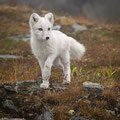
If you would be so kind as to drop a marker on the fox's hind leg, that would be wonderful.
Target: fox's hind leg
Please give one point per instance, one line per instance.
(66, 69)
(57, 63)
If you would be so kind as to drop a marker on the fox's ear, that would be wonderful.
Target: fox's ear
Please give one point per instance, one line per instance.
(50, 17)
(34, 18)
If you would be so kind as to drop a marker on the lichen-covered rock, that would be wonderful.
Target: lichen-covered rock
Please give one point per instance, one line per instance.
(12, 119)
(23, 99)
(10, 56)
(10, 88)
(90, 85)
(8, 104)
(78, 28)
(25, 37)
(10, 108)
(47, 115)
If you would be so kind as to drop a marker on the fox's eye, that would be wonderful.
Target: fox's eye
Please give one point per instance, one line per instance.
(48, 29)
(40, 29)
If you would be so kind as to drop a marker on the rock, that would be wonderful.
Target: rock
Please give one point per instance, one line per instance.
(98, 28)
(10, 108)
(9, 88)
(78, 117)
(8, 104)
(90, 85)
(46, 116)
(10, 56)
(25, 37)
(27, 82)
(57, 27)
(16, 89)
(20, 103)
(12, 119)
(31, 87)
(78, 28)
(35, 86)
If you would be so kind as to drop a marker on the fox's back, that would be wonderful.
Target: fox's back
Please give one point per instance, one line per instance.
(61, 40)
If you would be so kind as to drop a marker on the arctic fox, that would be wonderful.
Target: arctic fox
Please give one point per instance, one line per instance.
(52, 47)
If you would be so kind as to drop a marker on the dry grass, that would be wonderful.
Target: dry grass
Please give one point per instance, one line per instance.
(101, 64)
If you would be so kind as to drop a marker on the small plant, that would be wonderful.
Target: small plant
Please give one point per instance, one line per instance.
(110, 72)
(74, 71)
(97, 75)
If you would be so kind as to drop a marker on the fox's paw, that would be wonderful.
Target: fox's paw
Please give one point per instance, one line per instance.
(66, 81)
(44, 85)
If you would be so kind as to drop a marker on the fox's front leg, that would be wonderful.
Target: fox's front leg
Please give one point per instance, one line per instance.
(41, 63)
(66, 70)
(47, 71)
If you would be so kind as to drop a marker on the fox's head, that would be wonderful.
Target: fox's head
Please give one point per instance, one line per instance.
(41, 26)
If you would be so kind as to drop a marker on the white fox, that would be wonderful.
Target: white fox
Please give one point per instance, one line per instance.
(52, 47)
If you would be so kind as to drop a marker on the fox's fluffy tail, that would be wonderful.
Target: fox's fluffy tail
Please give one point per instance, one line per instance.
(77, 50)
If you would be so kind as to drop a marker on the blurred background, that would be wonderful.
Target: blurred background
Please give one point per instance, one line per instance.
(94, 9)
(94, 23)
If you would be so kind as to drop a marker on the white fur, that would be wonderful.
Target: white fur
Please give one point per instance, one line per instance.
(57, 50)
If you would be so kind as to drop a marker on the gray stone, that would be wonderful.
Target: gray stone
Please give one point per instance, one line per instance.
(78, 28)
(27, 82)
(9, 88)
(16, 89)
(46, 116)
(90, 85)
(25, 37)
(78, 117)
(12, 119)
(57, 27)
(8, 104)
(98, 28)
(10, 56)
(35, 86)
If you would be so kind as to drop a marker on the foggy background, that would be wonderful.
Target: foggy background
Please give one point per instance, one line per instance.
(94, 9)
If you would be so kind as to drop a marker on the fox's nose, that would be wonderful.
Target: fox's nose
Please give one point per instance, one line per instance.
(47, 38)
